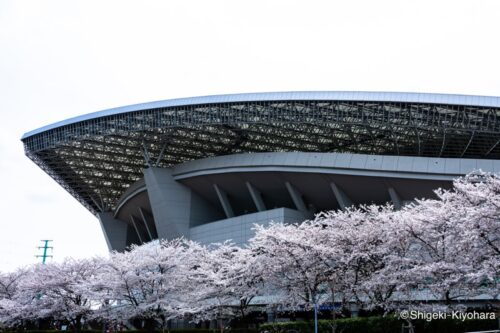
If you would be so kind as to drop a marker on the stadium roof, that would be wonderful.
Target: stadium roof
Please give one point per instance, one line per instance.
(451, 99)
(97, 156)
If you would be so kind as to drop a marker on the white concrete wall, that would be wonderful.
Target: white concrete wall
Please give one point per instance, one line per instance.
(239, 229)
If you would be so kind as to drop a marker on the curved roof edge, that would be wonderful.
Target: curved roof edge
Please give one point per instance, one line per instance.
(432, 98)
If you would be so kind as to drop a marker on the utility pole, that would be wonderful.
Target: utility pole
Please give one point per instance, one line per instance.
(45, 248)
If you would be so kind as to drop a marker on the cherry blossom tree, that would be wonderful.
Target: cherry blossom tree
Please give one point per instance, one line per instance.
(364, 253)
(57, 291)
(291, 264)
(477, 201)
(145, 283)
(10, 314)
(447, 246)
(226, 282)
(439, 262)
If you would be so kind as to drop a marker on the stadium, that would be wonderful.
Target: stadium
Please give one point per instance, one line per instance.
(209, 168)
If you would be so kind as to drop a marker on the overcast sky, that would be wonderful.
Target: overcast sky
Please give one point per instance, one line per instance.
(60, 59)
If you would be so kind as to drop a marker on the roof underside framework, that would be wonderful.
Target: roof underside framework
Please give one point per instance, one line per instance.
(97, 159)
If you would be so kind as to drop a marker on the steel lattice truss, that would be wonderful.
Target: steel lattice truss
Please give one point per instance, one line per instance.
(96, 160)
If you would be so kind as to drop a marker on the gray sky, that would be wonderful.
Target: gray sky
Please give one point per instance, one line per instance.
(60, 59)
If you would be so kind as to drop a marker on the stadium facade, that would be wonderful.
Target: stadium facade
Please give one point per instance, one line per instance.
(208, 168)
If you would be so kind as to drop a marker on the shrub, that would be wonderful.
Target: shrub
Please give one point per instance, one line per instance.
(388, 324)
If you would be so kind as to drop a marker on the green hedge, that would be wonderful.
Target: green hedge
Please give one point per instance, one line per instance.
(193, 330)
(454, 326)
(388, 324)
(350, 325)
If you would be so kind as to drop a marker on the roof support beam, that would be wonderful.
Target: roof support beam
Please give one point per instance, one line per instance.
(492, 147)
(468, 143)
(297, 198)
(256, 197)
(419, 143)
(145, 221)
(342, 199)
(443, 144)
(160, 156)
(145, 152)
(132, 219)
(224, 201)
(395, 198)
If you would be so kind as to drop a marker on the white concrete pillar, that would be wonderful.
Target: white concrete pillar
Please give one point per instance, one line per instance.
(297, 198)
(115, 231)
(395, 198)
(224, 201)
(342, 199)
(256, 197)
(170, 202)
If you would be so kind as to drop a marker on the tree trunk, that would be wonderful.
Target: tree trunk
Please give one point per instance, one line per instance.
(221, 325)
(334, 319)
(334, 313)
(243, 315)
(78, 323)
(149, 325)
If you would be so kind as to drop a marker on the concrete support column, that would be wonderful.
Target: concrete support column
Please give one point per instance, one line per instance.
(115, 231)
(297, 199)
(342, 199)
(256, 197)
(224, 201)
(395, 198)
(170, 202)
(132, 220)
(146, 222)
